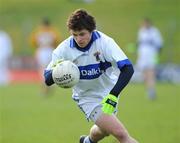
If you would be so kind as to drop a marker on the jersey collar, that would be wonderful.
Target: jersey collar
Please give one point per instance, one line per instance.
(95, 36)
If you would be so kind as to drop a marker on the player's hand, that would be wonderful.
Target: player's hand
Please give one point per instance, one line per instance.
(56, 63)
(109, 104)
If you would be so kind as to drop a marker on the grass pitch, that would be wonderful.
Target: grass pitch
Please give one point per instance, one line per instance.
(27, 117)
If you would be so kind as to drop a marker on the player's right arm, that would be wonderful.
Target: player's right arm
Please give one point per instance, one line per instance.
(48, 77)
(48, 72)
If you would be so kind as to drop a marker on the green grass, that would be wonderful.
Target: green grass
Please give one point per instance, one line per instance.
(118, 18)
(27, 117)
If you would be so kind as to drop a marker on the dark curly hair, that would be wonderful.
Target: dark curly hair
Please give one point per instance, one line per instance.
(80, 20)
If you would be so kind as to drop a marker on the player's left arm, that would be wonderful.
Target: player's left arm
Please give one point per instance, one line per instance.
(114, 54)
(126, 71)
(125, 75)
(110, 101)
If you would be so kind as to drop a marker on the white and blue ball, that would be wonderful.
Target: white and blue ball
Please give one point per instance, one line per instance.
(66, 74)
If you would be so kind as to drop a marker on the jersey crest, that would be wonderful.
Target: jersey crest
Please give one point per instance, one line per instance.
(96, 54)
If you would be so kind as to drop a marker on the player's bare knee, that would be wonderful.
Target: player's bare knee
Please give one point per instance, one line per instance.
(94, 132)
(97, 132)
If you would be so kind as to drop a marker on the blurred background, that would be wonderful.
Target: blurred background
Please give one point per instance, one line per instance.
(28, 117)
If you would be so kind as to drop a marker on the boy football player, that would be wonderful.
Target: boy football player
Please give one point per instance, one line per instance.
(97, 57)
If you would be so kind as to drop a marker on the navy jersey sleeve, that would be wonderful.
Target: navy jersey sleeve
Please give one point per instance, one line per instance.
(124, 78)
(48, 77)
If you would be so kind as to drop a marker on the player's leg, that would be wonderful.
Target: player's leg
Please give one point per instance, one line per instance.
(96, 134)
(105, 125)
(150, 81)
(111, 125)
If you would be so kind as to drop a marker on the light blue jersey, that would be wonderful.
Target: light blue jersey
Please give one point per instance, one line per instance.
(98, 64)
